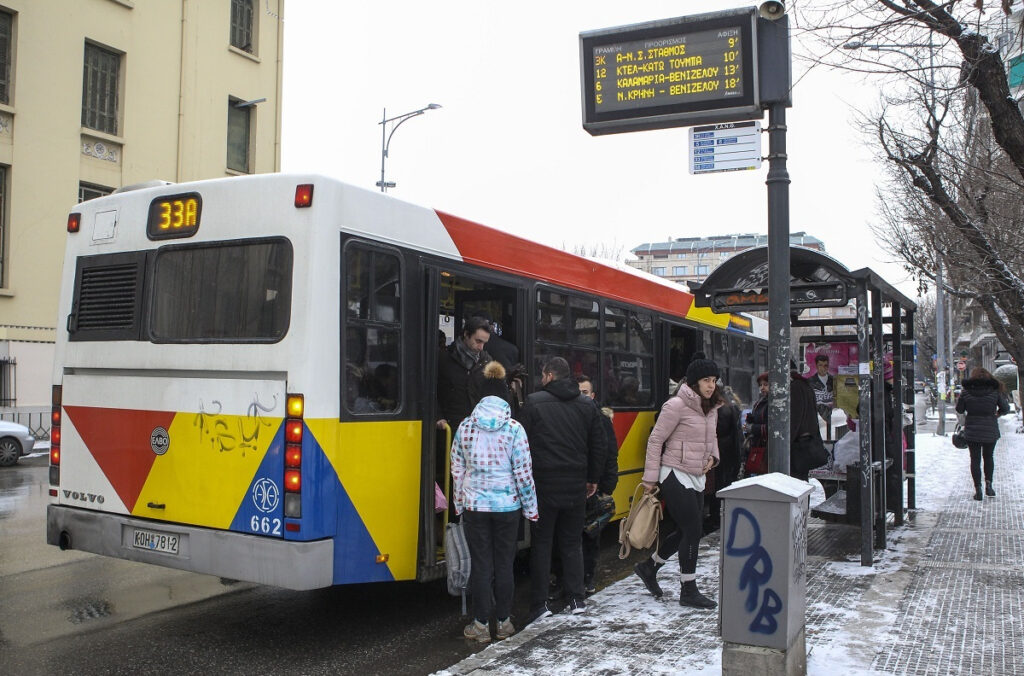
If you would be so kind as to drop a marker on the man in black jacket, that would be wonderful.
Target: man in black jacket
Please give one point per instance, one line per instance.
(460, 373)
(567, 443)
(605, 486)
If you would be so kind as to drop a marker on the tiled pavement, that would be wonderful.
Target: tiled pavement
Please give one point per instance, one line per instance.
(946, 597)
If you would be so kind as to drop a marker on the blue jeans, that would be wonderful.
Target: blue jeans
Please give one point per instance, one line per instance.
(491, 537)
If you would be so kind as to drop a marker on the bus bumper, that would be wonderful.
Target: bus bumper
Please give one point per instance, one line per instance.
(238, 556)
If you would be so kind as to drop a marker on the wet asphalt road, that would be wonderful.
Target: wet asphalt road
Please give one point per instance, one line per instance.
(75, 613)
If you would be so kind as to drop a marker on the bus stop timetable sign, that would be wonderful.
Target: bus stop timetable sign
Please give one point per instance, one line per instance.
(732, 146)
(698, 69)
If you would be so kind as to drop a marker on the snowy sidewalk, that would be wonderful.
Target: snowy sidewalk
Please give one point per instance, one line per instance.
(946, 597)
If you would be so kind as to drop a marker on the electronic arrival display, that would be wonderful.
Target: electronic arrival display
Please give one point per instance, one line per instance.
(677, 72)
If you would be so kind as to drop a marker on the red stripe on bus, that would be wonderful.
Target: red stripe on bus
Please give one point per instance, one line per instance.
(120, 442)
(498, 250)
(623, 422)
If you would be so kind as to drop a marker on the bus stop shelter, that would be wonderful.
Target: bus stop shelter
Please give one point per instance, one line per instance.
(882, 321)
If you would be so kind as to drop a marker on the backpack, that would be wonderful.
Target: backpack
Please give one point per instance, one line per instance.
(640, 528)
(456, 555)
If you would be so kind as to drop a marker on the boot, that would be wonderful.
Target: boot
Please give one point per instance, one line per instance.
(690, 596)
(648, 572)
(989, 491)
(977, 491)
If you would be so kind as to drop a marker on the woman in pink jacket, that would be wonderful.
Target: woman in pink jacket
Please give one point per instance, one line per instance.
(682, 448)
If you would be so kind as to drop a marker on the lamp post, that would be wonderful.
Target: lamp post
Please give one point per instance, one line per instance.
(385, 137)
(940, 308)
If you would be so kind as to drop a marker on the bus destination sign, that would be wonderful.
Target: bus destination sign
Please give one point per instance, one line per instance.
(678, 72)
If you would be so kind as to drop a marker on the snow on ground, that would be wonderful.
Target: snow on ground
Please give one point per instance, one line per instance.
(626, 631)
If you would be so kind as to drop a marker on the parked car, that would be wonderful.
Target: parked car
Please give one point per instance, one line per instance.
(15, 441)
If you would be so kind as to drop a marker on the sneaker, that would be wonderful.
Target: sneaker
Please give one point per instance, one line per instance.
(588, 586)
(477, 631)
(538, 613)
(505, 629)
(576, 606)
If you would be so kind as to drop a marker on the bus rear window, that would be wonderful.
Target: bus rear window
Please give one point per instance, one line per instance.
(237, 291)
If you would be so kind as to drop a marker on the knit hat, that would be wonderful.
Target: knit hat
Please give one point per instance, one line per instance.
(494, 381)
(700, 367)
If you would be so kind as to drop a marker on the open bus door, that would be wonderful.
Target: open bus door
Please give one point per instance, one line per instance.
(450, 297)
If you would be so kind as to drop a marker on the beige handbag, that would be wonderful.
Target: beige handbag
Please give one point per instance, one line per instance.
(640, 528)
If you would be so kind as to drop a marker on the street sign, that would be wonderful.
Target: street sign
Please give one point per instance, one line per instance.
(732, 146)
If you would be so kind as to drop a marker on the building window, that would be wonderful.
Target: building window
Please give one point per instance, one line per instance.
(724, 255)
(239, 124)
(99, 89)
(658, 271)
(702, 254)
(242, 17)
(679, 270)
(660, 256)
(5, 56)
(4, 227)
(88, 191)
(702, 270)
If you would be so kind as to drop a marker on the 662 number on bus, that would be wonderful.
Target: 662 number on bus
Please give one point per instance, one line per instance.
(265, 525)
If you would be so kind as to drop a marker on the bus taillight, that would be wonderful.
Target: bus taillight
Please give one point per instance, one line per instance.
(74, 222)
(294, 409)
(303, 195)
(55, 416)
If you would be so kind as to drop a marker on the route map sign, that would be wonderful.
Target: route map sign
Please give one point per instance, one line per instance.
(670, 73)
(731, 146)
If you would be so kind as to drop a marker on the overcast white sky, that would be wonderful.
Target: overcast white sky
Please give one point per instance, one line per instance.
(508, 148)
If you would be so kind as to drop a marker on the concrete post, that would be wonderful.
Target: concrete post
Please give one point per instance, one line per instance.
(763, 564)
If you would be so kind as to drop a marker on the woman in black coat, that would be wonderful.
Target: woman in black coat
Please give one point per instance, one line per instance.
(983, 401)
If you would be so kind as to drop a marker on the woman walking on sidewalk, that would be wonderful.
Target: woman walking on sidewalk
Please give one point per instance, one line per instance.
(493, 476)
(983, 401)
(682, 448)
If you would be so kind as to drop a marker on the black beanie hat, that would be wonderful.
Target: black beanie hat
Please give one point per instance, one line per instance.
(700, 367)
(494, 381)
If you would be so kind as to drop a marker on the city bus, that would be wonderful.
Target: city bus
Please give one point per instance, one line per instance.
(245, 372)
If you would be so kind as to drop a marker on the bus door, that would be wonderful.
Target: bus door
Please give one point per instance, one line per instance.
(680, 344)
(453, 295)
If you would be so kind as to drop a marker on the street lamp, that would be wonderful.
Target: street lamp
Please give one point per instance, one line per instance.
(385, 137)
(940, 300)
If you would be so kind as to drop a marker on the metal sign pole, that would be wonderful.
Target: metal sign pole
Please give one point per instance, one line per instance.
(778, 291)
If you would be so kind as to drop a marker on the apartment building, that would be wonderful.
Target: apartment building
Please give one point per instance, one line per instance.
(99, 94)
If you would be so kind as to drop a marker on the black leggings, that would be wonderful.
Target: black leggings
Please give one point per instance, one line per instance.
(978, 451)
(684, 516)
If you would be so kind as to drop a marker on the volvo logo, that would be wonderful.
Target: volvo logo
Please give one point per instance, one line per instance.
(159, 441)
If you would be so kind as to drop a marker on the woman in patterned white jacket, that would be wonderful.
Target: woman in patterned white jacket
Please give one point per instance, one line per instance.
(493, 476)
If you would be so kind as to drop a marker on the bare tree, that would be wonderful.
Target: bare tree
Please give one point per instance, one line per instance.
(952, 138)
(613, 251)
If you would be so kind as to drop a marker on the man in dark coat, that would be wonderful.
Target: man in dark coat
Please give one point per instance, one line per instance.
(567, 443)
(605, 486)
(460, 373)
(729, 431)
(803, 420)
(983, 402)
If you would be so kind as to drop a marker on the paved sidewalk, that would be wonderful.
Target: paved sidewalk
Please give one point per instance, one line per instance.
(946, 596)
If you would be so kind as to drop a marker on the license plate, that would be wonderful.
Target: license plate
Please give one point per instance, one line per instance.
(157, 542)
